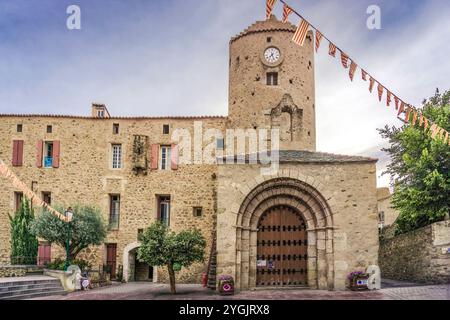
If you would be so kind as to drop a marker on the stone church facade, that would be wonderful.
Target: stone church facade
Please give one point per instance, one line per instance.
(309, 223)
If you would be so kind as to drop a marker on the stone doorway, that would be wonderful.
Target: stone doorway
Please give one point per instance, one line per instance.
(133, 269)
(282, 248)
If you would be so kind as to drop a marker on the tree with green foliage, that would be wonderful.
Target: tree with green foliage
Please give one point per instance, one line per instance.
(24, 244)
(420, 168)
(161, 247)
(86, 228)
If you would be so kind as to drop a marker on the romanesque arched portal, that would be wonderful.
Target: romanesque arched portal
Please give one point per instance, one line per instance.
(301, 199)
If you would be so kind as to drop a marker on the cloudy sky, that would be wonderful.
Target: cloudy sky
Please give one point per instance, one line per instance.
(148, 57)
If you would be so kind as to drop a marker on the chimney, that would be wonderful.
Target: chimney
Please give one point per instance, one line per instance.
(100, 111)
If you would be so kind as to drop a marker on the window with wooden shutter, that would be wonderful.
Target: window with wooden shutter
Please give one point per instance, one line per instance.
(39, 151)
(17, 160)
(55, 153)
(166, 157)
(155, 156)
(174, 157)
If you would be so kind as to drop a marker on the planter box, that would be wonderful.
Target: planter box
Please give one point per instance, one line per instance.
(226, 286)
(360, 283)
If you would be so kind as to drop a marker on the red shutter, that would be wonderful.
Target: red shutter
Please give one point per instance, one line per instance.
(15, 152)
(20, 153)
(174, 157)
(155, 153)
(39, 150)
(56, 152)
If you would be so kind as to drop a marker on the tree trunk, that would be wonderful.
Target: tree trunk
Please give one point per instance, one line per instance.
(173, 290)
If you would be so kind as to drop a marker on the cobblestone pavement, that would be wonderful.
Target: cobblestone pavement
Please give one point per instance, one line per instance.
(149, 291)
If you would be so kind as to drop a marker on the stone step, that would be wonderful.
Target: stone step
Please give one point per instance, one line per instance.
(25, 292)
(36, 295)
(27, 282)
(28, 286)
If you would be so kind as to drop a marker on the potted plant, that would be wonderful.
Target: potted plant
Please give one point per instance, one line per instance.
(358, 281)
(226, 285)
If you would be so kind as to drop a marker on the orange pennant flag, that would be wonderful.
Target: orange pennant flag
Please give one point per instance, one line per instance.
(300, 35)
(319, 37)
(286, 12)
(332, 50)
(372, 83)
(353, 67)
(344, 60)
(388, 98)
(269, 7)
(396, 102)
(380, 91)
(364, 75)
(402, 108)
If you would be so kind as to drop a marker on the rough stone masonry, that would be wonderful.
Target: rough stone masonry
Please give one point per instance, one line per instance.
(122, 165)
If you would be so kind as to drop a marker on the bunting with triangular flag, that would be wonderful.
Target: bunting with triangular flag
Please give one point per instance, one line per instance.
(380, 91)
(402, 108)
(269, 7)
(353, 67)
(286, 12)
(332, 50)
(396, 102)
(364, 75)
(319, 37)
(344, 60)
(372, 83)
(300, 35)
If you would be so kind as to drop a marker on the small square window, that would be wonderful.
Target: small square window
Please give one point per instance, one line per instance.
(49, 129)
(198, 212)
(19, 128)
(47, 197)
(269, 39)
(166, 129)
(116, 128)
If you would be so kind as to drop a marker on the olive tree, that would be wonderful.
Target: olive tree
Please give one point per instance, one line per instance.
(86, 228)
(161, 247)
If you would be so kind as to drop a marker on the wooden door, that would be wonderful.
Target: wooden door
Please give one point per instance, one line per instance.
(282, 249)
(44, 254)
(111, 253)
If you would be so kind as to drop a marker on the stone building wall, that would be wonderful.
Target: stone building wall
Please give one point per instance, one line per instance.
(385, 206)
(253, 104)
(85, 176)
(349, 190)
(420, 256)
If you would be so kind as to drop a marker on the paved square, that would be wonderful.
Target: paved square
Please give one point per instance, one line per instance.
(150, 291)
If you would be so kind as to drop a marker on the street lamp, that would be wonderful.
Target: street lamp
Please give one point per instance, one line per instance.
(69, 216)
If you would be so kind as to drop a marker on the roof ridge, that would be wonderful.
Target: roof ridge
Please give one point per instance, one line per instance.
(43, 115)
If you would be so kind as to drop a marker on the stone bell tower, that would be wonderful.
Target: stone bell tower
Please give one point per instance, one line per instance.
(271, 83)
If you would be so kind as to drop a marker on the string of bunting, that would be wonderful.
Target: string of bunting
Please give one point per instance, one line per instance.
(413, 116)
(7, 173)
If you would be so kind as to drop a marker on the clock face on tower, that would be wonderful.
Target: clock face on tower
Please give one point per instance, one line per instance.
(272, 55)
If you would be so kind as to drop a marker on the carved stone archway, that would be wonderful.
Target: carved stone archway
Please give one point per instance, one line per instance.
(316, 212)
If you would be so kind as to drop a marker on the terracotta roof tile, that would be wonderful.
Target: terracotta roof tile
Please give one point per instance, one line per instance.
(111, 118)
